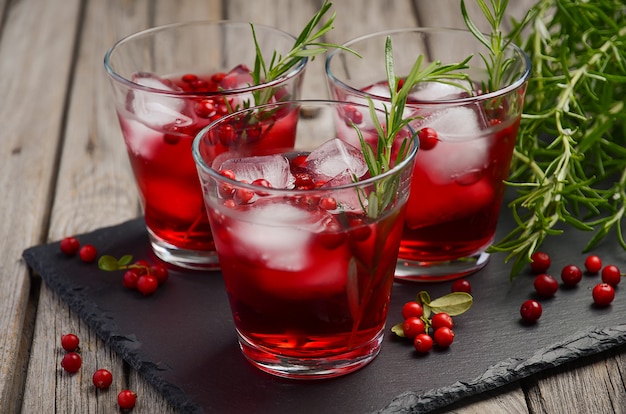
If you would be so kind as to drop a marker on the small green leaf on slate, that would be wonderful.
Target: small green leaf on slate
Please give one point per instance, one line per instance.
(397, 329)
(125, 260)
(453, 304)
(108, 263)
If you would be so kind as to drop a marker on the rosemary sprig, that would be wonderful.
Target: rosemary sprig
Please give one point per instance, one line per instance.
(306, 45)
(379, 160)
(569, 165)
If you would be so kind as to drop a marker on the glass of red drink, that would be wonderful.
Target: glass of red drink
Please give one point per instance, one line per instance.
(168, 83)
(306, 242)
(467, 135)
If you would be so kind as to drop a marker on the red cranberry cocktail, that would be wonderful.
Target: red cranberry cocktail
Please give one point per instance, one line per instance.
(306, 251)
(170, 82)
(467, 135)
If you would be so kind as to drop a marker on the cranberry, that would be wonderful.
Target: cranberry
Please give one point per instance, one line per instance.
(530, 311)
(147, 284)
(461, 285)
(603, 294)
(423, 343)
(611, 275)
(412, 309)
(243, 195)
(545, 285)
(353, 116)
(161, 273)
(444, 337)
(428, 138)
(413, 326)
(69, 246)
(571, 275)
(102, 378)
(130, 278)
(593, 264)
(88, 253)
(189, 77)
(126, 399)
(71, 362)
(328, 203)
(540, 262)
(205, 108)
(441, 320)
(70, 342)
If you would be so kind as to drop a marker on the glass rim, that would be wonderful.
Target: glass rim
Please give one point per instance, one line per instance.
(151, 30)
(200, 162)
(516, 84)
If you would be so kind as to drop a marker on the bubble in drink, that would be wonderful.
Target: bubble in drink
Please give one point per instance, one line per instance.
(157, 110)
(333, 158)
(273, 168)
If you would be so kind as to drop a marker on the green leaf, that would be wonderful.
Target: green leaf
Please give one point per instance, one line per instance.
(108, 263)
(125, 260)
(454, 304)
(397, 329)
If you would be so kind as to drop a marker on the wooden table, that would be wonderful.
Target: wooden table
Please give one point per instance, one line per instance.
(64, 171)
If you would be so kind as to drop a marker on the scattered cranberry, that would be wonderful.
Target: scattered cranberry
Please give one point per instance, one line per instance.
(69, 246)
(603, 294)
(102, 379)
(71, 362)
(530, 311)
(571, 275)
(428, 138)
(593, 264)
(161, 273)
(70, 342)
(444, 337)
(611, 275)
(423, 343)
(413, 326)
(545, 285)
(126, 399)
(412, 309)
(88, 253)
(441, 320)
(461, 285)
(147, 284)
(540, 262)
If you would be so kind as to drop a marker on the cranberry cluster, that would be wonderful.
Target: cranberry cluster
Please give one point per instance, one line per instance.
(547, 286)
(416, 327)
(102, 378)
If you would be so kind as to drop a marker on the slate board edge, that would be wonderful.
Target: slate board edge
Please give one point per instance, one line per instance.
(579, 345)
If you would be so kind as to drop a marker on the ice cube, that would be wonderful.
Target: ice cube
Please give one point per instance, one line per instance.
(347, 199)
(238, 77)
(155, 109)
(439, 91)
(333, 158)
(274, 168)
(463, 145)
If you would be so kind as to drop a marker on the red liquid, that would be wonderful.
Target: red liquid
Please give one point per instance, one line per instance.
(316, 285)
(164, 168)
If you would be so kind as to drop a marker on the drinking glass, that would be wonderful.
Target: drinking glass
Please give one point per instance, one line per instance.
(307, 238)
(467, 136)
(168, 83)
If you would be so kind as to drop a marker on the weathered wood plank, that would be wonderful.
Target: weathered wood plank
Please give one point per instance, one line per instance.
(31, 117)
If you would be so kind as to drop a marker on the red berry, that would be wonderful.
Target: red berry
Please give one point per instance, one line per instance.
(102, 378)
(130, 278)
(571, 275)
(412, 327)
(530, 311)
(593, 264)
(540, 262)
(88, 253)
(441, 320)
(461, 285)
(423, 343)
(126, 399)
(611, 275)
(69, 246)
(412, 309)
(444, 337)
(328, 203)
(603, 294)
(546, 285)
(161, 273)
(70, 342)
(428, 138)
(147, 284)
(71, 362)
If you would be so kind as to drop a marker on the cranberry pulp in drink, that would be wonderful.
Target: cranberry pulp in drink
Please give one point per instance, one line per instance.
(457, 186)
(159, 127)
(308, 273)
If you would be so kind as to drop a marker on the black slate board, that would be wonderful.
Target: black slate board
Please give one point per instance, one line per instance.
(183, 341)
